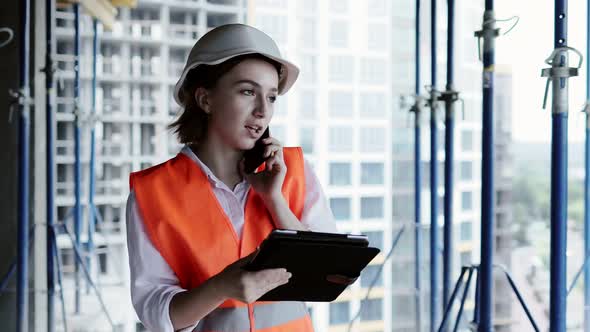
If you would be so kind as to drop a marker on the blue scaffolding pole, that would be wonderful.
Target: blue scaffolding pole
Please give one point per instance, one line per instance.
(92, 177)
(449, 97)
(417, 180)
(77, 143)
(487, 175)
(49, 80)
(434, 241)
(558, 76)
(587, 181)
(24, 125)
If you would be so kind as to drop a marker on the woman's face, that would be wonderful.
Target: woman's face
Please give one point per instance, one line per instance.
(242, 103)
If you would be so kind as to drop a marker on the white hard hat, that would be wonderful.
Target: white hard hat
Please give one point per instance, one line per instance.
(231, 40)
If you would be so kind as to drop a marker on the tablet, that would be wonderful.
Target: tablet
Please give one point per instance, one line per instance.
(311, 257)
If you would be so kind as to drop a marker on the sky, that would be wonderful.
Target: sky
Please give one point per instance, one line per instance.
(525, 49)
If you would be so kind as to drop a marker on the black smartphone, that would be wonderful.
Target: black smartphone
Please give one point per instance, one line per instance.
(254, 157)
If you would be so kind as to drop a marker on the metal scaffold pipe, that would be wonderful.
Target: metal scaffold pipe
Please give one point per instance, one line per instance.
(434, 236)
(489, 33)
(449, 97)
(587, 180)
(558, 76)
(49, 81)
(77, 161)
(92, 176)
(22, 99)
(417, 179)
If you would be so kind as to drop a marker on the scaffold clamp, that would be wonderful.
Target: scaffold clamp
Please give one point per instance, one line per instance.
(557, 70)
(19, 97)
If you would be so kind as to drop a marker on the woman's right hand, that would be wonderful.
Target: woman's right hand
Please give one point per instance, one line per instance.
(248, 286)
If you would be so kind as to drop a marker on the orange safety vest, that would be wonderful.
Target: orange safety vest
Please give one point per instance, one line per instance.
(190, 229)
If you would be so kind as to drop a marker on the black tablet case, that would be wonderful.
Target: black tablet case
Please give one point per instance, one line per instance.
(311, 257)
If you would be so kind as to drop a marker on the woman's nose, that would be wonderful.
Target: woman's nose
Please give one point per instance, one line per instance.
(263, 108)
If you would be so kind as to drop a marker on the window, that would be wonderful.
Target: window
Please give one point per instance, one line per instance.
(341, 69)
(272, 3)
(465, 258)
(473, 106)
(403, 207)
(274, 25)
(279, 132)
(370, 273)
(341, 104)
(108, 98)
(103, 261)
(372, 140)
(308, 68)
(466, 170)
(403, 141)
(306, 139)
(403, 273)
(371, 207)
(307, 6)
(372, 173)
(144, 61)
(377, 37)
(145, 97)
(371, 309)
(339, 313)
(467, 200)
(372, 105)
(467, 140)
(375, 239)
(340, 207)
(341, 139)
(147, 139)
(403, 307)
(377, 8)
(176, 62)
(109, 59)
(339, 6)
(340, 174)
(403, 173)
(405, 245)
(308, 35)
(373, 71)
(307, 99)
(466, 231)
(280, 107)
(339, 33)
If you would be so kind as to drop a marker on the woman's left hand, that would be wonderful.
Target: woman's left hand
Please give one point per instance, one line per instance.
(268, 183)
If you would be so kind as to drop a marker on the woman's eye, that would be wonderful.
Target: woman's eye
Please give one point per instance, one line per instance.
(272, 99)
(248, 92)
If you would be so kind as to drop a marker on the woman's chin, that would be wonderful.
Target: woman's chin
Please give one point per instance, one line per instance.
(247, 144)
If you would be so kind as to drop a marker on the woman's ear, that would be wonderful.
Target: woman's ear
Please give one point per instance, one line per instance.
(202, 99)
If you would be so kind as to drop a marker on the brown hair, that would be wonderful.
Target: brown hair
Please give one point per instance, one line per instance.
(191, 125)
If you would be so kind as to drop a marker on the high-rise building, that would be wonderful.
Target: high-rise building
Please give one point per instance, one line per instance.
(340, 112)
(504, 165)
(138, 64)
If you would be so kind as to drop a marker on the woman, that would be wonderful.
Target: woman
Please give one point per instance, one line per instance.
(193, 221)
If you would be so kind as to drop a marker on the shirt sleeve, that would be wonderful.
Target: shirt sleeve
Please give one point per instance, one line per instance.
(317, 215)
(153, 282)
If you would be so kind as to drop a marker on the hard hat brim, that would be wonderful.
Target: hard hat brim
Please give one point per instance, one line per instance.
(289, 72)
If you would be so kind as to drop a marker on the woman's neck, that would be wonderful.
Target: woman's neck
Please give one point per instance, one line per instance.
(221, 160)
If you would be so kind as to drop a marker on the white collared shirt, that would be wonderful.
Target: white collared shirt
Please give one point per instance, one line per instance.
(154, 283)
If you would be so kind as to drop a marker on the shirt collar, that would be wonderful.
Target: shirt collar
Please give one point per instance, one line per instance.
(212, 178)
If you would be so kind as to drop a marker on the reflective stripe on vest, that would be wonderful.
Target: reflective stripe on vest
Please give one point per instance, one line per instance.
(266, 315)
